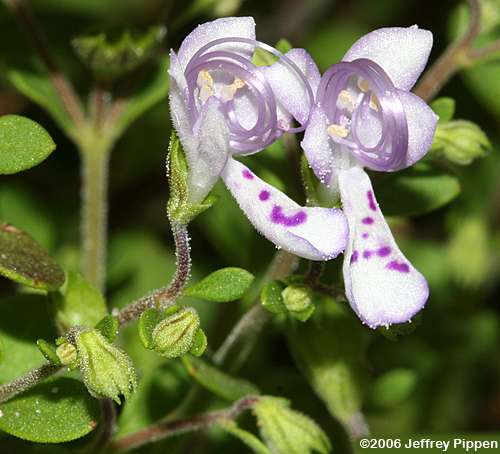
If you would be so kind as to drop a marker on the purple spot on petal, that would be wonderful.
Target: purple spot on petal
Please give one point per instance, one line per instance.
(371, 201)
(365, 235)
(368, 220)
(264, 195)
(367, 254)
(384, 251)
(354, 256)
(398, 266)
(278, 217)
(247, 174)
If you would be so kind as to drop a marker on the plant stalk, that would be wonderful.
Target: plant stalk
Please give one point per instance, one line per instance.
(165, 296)
(27, 381)
(172, 428)
(94, 218)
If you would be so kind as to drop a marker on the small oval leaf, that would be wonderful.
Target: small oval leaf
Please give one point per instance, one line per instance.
(55, 411)
(23, 144)
(222, 286)
(216, 381)
(418, 190)
(78, 303)
(24, 261)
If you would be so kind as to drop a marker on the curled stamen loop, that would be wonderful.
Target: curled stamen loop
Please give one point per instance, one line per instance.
(267, 128)
(391, 149)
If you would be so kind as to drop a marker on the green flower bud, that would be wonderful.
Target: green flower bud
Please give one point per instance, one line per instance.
(175, 335)
(113, 54)
(66, 353)
(107, 371)
(460, 142)
(287, 431)
(297, 298)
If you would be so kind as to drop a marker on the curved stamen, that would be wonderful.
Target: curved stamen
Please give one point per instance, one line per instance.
(266, 128)
(390, 150)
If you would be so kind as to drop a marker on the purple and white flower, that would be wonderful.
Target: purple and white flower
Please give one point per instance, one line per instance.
(223, 105)
(365, 116)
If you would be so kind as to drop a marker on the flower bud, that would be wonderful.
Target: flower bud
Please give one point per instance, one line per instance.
(107, 371)
(175, 335)
(287, 431)
(298, 301)
(460, 141)
(113, 54)
(66, 353)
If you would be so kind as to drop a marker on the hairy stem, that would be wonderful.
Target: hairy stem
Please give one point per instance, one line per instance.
(27, 381)
(165, 296)
(94, 219)
(63, 87)
(458, 55)
(172, 428)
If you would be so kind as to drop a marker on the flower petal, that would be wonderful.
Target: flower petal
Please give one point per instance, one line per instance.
(178, 108)
(381, 284)
(314, 233)
(422, 123)
(401, 52)
(227, 27)
(211, 152)
(317, 145)
(289, 88)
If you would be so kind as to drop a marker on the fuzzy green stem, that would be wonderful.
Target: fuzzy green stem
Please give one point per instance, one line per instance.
(94, 194)
(164, 296)
(172, 428)
(27, 381)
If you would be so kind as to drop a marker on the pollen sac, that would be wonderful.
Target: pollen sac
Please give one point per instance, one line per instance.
(107, 371)
(297, 299)
(172, 333)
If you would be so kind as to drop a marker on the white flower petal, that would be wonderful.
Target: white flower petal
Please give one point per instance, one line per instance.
(401, 52)
(381, 284)
(313, 233)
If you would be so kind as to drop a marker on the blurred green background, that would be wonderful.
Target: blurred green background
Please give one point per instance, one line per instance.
(443, 377)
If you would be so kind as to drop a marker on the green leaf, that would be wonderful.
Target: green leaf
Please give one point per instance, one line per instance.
(224, 285)
(333, 363)
(48, 350)
(55, 411)
(78, 303)
(469, 254)
(147, 323)
(23, 144)
(248, 438)
(444, 108)
(39, 89)
(393, 388)
(418, 190)
(271, 297)
(289, 431)
(216, 381)
(200, 343)
(24, 320)
(152, 90)
(108, 327)
(24, 261)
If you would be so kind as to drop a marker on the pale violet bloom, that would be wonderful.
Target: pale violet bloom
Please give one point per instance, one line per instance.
(222, 106)
(365, 116)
